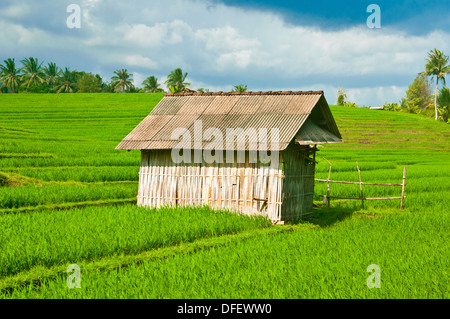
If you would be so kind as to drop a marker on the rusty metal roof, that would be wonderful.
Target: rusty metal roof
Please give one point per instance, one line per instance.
(247, 113)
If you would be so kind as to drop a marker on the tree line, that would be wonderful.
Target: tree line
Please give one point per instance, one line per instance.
(420, 98)
(35, 77)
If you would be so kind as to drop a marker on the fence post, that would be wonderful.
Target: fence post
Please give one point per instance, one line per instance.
(328, 187)
(360, 185)
(403, 187)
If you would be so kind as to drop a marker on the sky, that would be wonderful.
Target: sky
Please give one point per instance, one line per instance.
(266, 45)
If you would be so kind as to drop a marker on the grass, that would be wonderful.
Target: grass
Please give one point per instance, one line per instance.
(39, 274)
(85, 174)
(31, 195)
(57, 153)
(306, 263)
(59, 237)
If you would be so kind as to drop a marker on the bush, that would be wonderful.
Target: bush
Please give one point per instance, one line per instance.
(350, 104)
(390, 106)
(444, 104)
(3, 180)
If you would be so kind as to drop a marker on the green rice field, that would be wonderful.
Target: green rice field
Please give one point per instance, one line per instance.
(68, 197)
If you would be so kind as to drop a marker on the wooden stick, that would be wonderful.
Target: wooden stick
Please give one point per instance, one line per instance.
(374, 198)
(403, 187)
(324, 159)
(328, 187)
(381, 198)
(360, 185)
(363, 183)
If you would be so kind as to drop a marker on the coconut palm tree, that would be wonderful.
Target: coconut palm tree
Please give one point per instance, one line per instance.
(151, 85)
(9, 75)
(122, 81)
(33, 71)
(68, 80)
(239, 88)
(52, 73)
(175, 81)
(437, 66)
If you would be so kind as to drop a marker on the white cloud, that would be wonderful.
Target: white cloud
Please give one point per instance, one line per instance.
(143, 35)
(225, 39)
(19, 37)
(156, 35)
(138, 60)
(369, 95)
(138, 78)
(16, 11)
(240, 59)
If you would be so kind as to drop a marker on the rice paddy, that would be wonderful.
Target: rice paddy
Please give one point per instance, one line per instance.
(57, 152)
(308, 263)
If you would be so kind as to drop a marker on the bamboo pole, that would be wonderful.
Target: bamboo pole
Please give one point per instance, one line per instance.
(363, 183)
(403, 187)
(368, 198)
(328, 188)
(360, 185)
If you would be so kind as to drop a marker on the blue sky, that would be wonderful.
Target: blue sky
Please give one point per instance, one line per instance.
(267, 45)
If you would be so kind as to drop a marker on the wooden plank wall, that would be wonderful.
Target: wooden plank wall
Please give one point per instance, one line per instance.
(251, 188)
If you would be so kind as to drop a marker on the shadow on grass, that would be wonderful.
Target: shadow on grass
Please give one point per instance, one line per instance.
(324, 216)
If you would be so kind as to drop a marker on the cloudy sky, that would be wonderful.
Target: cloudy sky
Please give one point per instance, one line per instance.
(267, 45)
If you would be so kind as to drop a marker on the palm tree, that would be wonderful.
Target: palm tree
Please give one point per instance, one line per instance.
(33, 71)
(9, 75)
(437, 66)
(52, 72)
(151, 85)
(202, 90)
(239, 88)
(68, 80)
(122, 81)
(175, 81)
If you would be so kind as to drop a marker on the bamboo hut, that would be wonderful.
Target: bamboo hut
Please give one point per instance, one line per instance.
(282, 189)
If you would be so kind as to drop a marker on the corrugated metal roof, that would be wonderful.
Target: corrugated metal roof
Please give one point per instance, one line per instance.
(310, 133)
(250, 111)
(168, 106)
(301, 104)
(195, 105)
(221, 106)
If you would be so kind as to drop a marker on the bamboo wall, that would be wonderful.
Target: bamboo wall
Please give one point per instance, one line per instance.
(251, 188)
(298, 187)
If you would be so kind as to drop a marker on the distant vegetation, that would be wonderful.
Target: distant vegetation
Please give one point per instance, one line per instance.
(35, 77)
(239, 88)
(419, 97)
